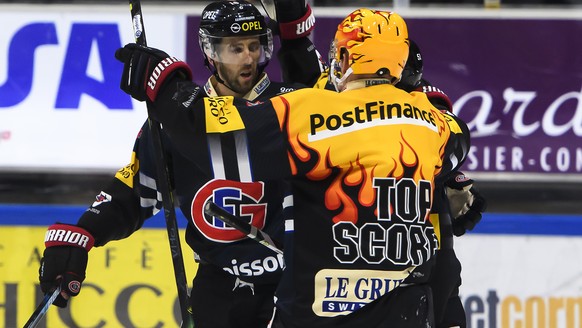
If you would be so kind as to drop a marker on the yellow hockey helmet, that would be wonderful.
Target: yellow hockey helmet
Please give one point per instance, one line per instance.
(376, 42)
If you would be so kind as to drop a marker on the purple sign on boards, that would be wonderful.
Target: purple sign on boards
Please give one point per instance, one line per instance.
(516, 82)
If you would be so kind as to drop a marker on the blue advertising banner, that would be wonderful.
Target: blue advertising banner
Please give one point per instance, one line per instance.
(493, 223)
(61, 108)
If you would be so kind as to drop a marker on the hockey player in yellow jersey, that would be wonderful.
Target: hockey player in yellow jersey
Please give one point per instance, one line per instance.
(362, 164)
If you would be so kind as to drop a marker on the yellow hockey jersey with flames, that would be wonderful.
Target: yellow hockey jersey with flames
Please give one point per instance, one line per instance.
(362, 165)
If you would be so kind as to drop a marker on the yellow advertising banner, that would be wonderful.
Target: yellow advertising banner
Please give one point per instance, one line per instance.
(130, 283)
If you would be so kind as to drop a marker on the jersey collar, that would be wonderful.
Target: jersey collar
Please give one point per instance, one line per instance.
(362, 83)
(256, 91)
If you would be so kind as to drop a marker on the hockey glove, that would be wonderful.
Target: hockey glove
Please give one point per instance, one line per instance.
(469, 220)
(466, 203)
(64, 260)
(145, 69)
(458, 193)
(294, 18)
(438, 98)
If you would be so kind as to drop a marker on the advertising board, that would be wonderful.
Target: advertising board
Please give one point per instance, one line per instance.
(61, 108)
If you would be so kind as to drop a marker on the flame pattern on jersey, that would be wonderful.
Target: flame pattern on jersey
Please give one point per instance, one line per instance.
(354, 175)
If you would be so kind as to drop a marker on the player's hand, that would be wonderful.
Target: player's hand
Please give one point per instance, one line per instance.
(469, 219)
(145, 69)
(64, 261)
(294, 18)
(466, 203)
(438, 98)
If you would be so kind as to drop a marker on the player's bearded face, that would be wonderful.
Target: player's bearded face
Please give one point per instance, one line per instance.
(237, 62)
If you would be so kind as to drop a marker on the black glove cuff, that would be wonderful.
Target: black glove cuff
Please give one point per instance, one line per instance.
(458, 181)
(438, 98)
(68, 235)
(164, 69)
(298, 28)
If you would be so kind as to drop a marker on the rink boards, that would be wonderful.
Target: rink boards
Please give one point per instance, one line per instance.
(130, 283)
(518, 270)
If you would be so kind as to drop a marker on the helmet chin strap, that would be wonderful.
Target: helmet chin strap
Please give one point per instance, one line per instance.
(214, 70)
(221, 81)
(229, 88)
(217, 76)
(341, 82)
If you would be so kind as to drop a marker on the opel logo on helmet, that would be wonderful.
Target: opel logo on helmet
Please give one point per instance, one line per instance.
(235, 28)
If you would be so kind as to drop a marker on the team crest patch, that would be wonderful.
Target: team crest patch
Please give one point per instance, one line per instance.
(103, 197)
(243, 199)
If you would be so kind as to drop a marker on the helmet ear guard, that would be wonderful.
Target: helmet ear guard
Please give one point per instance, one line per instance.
(376, 43)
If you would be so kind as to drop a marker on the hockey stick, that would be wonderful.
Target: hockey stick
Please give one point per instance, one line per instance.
(164, 185)
(42, 308)
(234, 221)
(270, 9)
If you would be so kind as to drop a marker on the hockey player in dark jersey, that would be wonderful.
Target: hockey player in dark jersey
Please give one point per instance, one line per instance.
(363, 164)
(457, 207)
(236, 277)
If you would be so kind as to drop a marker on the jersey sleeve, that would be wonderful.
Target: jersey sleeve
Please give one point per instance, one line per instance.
(300, 62)
(128, 200)
(456, 148)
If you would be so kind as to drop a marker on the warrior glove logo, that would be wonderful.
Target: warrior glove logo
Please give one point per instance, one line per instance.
(159, 69)
(162, 70)
(68, 235)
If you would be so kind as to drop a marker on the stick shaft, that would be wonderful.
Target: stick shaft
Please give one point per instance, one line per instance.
(251, 231)
(42, 308)
(164, 183)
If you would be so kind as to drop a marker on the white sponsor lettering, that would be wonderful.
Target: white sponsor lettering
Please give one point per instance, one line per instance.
(210, 15)
(256, 267)
(66, 236)
(159, 69)
(305, 25)
(481, 124)
(503, 158)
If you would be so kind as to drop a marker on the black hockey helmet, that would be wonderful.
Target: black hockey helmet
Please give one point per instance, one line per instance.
(222, 19)
(412, 73)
